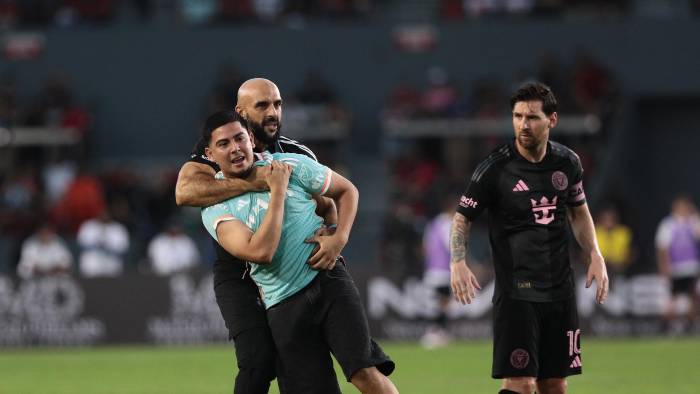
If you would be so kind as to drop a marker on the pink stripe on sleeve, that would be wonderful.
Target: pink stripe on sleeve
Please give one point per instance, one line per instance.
(327, 182)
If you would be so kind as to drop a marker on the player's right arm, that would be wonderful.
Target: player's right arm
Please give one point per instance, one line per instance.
(462, 280)
(197, 187)
(259, 246)
(471, 204)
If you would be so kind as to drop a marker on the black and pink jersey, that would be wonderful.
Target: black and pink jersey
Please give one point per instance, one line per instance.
(528, 226)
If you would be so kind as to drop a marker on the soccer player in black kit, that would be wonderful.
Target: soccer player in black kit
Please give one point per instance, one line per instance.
(532, 188)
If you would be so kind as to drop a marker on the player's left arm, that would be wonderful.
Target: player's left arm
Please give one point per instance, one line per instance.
(584, 232)
(346, 198)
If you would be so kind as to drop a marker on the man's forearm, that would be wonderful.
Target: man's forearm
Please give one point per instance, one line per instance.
(197, 187)
(584, 230)
(459, 234)
(346, 204)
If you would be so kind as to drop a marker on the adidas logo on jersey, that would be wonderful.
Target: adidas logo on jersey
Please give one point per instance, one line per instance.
(576, 363)
(520, 186)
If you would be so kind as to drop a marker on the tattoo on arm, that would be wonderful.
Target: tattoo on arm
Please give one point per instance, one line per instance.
(459, 234)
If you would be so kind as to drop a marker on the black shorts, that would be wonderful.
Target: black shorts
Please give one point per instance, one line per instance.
(326, 316)
(538, 339)
(240, 304)
(683, 285)
(443, 291)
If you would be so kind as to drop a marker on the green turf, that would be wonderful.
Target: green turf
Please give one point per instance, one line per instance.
(611, 366)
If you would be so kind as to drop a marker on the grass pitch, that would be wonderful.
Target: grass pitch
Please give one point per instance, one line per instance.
(610, 366)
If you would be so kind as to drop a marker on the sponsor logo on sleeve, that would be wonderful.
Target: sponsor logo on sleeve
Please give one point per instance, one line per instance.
(468, 202)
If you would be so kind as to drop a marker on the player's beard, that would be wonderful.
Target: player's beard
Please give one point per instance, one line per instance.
(260, 134)
(530, 142)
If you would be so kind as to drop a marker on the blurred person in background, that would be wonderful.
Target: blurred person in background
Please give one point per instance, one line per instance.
(83, 200)
(678, 259)
(103, 243)
(533, 190)
(615, 241)
(436, 247)
(44, 254)
(259, 102)
(172, 251)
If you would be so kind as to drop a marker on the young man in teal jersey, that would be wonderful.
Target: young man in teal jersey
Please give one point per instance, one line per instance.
(310, 312)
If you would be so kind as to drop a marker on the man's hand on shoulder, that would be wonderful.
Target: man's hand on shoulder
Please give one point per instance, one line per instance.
(258, 179)
(277, 176)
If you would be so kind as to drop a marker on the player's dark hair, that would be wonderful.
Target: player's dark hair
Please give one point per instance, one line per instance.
(219, 119)
(536, 91)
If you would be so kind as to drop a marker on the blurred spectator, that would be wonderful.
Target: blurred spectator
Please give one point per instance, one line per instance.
(436, 250)
(403, 101)
(268, 10)
(440, 97)
(43, 254)
(83, 200)
(615, 241)
(401, 243)
(54, 107)
(197, 12)
(57, 176)
(677, 248)
(103, 243)
(172, 251)
(592, 84)
(451, 9)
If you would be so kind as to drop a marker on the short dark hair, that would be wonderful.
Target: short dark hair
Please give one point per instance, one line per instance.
(219, 119)
(536, 91)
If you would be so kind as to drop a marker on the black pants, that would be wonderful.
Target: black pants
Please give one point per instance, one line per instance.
(244, 315)
(256, 356)
(326, 316)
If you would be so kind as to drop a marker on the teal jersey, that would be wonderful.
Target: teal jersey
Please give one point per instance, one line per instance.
(288, 272)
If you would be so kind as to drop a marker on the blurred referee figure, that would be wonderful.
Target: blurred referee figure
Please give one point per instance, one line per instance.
(532, 188)
(260, 104)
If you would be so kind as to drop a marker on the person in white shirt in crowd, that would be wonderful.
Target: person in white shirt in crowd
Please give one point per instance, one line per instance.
(44, 254)
(172, 251)
(103, 243)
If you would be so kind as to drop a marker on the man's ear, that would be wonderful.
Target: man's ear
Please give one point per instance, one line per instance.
(252, 140)
(207, 153)
(553, 119)
(241, 112)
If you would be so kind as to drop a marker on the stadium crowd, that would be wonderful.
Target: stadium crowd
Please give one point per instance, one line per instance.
(116, 218)
(68, 13)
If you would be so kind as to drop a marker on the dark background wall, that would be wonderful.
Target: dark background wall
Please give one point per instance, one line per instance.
(147, 86)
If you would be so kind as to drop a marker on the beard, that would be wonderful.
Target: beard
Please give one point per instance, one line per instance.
(530, 143)
(261, 135)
